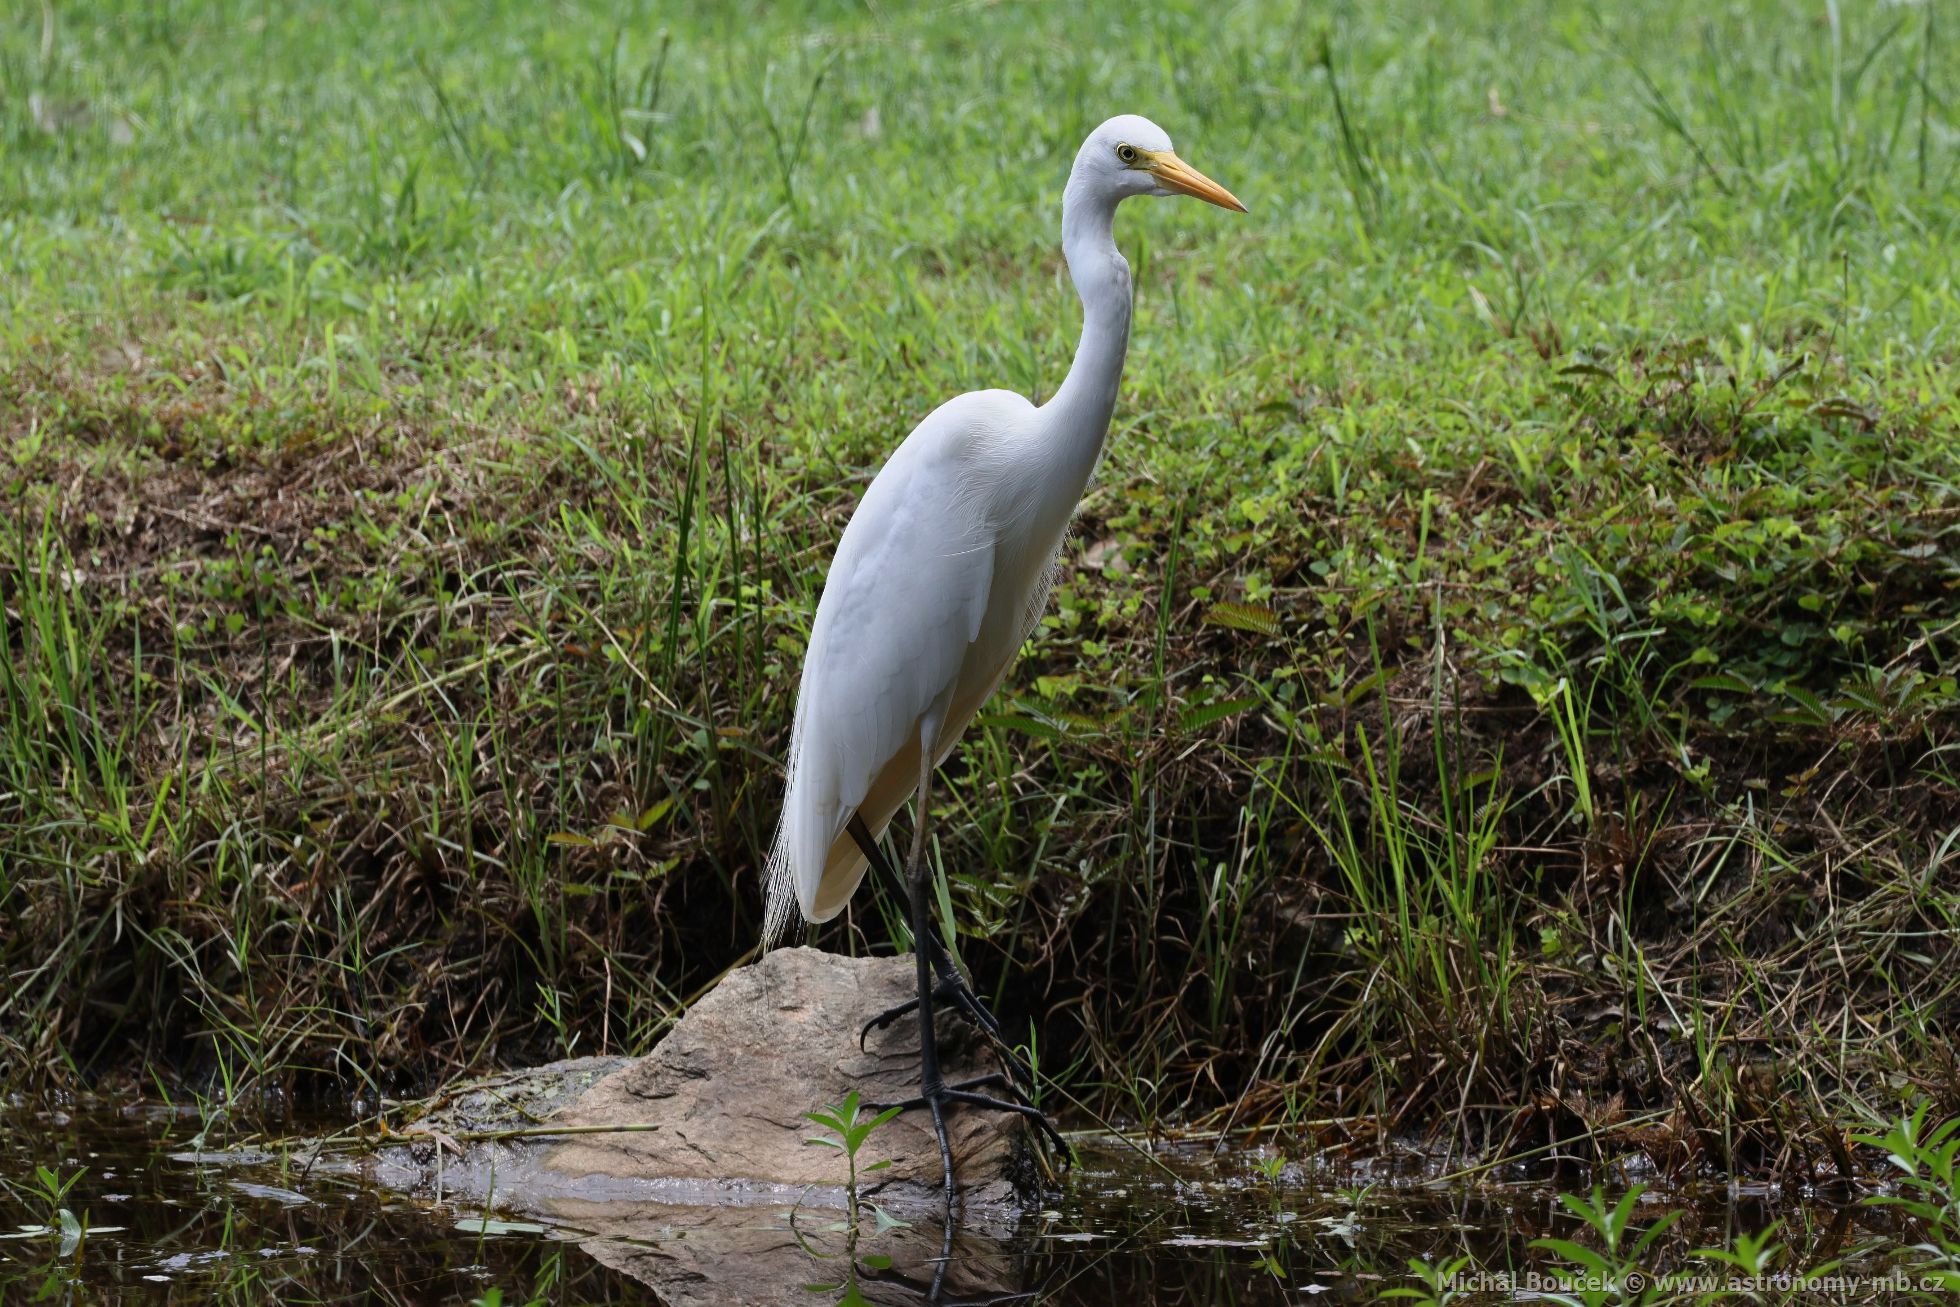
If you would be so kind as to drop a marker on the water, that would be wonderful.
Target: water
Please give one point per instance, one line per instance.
(1186, 1227)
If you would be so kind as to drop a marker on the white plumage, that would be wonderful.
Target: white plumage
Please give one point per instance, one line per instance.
(942, 571)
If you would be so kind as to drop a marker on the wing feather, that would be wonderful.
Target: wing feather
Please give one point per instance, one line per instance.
(906, 598)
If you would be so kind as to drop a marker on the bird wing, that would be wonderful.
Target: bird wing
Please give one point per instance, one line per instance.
(905, 599)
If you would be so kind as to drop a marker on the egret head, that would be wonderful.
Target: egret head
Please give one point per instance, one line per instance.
(1129, 155)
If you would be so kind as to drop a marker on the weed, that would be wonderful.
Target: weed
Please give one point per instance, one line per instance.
(1613, 1273)
(1925, 1159)
(852, 1131)
(47, 1194)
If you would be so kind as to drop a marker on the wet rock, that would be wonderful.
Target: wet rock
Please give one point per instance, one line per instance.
(713, 1116)
(513, 1100)
(725, 1091)
(477, 1139)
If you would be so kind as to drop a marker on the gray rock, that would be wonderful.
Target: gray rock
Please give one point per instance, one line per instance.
(514, 1100)
(713, 1116)
(688, 1169)
(725, 1091)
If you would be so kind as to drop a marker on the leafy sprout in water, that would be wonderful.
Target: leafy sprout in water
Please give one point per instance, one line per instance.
(1613, 1275)
(852, 1129)
(48, 1191)
(1927, 1161)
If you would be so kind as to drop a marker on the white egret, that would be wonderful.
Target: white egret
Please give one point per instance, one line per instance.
(940, 576)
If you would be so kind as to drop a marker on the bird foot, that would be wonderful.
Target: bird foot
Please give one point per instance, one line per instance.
(953, 992)
(952, 989)
(968, 1092)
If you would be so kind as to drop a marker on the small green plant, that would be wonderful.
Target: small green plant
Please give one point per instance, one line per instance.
(47, 1192)
(1347, 1225)
(1928, 1164)
(852, 1130)
(1267, 1171)
(1753, 1258)
(1595, 1277)
(51, 1187)
(1437, 1282)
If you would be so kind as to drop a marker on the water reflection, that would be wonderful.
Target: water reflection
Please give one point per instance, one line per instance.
(1232, 1233)
(782, 1257)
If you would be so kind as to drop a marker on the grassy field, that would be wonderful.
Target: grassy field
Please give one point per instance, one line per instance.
(1502, 687)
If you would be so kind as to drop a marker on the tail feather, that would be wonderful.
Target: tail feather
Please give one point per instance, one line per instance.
(781, 907)
(807, 848)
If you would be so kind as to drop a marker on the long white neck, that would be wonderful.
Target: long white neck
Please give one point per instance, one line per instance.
(1076, 418)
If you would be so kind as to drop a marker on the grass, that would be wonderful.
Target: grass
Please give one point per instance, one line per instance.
(1500, 688)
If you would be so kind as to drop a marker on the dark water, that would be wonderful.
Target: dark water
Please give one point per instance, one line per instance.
(1197, 1229)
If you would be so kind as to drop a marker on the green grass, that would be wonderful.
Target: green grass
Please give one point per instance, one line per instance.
(1501, 685)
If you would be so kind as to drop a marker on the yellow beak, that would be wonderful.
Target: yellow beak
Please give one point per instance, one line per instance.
(1174, 174)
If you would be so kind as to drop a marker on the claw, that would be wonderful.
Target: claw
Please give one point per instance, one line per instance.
(885, 1018)
(952, 988)
(965, 1091)
(943, 993)
(1021, 1103)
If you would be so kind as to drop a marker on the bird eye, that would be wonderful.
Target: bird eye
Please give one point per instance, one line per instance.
(1127, 153)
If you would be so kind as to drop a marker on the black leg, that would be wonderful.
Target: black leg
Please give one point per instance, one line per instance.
(952, 988)
(932, 1089)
